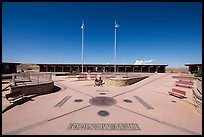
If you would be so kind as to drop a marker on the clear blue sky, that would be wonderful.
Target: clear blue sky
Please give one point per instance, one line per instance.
(50, 32)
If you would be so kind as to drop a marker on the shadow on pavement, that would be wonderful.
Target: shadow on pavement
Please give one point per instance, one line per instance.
(30, 98)
(19, 102)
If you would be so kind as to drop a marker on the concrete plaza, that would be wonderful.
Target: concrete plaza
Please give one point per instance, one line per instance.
(143, 108)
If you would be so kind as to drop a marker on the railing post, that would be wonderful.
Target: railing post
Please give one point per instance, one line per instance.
(29, 76)
(38, 78)
(50, 77)
(13, 78)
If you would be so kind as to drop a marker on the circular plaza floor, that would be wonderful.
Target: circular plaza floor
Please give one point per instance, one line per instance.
(143, 108)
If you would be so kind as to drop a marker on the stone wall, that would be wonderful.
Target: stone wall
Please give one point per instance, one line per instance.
(197, 94)
(34, 89)
(125, 81)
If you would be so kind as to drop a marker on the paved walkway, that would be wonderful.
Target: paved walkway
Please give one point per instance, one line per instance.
(141, 108)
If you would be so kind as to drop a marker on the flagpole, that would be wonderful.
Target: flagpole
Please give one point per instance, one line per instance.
(82, 45)
(115, 50)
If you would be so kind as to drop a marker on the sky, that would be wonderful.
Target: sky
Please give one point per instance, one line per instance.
(149, 32)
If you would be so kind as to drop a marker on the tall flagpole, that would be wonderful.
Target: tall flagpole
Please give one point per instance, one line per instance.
(116, 26)
(82, 43)
(115, 50)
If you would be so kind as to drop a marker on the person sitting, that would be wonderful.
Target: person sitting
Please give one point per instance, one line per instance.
(96, 82)
(100, 81)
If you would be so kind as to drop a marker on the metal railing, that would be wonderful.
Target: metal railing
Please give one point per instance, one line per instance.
(35, 78)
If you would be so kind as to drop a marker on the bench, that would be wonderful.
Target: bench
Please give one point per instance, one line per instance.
(81, 77)
(13, 96)
(184, 78)
(184, 83)
(93, 76)
(178, 93)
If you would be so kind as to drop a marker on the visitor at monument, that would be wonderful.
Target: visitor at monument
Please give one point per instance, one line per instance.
(98, 82)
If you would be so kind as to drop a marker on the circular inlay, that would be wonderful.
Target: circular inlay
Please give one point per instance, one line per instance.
(103, 113)
(127, 100)
(78, 100)
(102, 101)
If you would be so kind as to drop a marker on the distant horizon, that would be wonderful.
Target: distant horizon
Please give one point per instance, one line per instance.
(168, 33)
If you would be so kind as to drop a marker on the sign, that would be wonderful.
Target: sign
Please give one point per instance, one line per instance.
(103, 126)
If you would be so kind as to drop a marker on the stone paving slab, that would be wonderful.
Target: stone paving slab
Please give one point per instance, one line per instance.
(170, 115)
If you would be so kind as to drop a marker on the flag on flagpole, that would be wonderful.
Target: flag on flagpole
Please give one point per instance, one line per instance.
(116, 25)
(82, 26)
